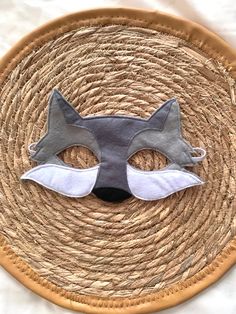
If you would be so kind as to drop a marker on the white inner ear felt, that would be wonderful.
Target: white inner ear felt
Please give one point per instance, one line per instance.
(154, 185)
(64, 180)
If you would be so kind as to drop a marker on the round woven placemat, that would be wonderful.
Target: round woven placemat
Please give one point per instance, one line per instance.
(86, 250)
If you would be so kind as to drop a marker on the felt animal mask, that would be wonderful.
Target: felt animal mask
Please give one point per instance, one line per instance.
(113, 139)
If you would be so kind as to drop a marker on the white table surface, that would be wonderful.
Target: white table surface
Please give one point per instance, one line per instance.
(19, 17)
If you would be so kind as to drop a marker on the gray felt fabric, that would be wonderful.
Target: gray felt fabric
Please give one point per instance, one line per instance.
(60, 134)
(113, 138)
(168, 141)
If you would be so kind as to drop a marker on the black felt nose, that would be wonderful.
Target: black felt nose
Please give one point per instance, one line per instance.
(111, 194)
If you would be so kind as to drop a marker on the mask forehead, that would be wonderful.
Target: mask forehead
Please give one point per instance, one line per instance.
(114, 131)
(119, 130)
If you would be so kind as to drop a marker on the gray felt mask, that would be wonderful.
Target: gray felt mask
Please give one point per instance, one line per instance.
(113, 139)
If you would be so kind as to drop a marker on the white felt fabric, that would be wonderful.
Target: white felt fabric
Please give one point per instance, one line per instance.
(154, 185)
(64, 180)
(201, 152)
(19, 17)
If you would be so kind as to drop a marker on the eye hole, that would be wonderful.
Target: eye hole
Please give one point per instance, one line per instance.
(78, 157)
(148, 160)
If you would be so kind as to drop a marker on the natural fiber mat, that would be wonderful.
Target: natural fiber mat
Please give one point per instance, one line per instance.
(134, 256)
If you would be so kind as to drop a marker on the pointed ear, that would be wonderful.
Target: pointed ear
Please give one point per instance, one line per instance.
(167, 117)
(172, 123)
(60, 111)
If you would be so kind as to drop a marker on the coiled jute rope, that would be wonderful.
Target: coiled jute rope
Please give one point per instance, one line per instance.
(136, 247)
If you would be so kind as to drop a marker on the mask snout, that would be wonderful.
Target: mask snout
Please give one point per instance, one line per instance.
(109, 194)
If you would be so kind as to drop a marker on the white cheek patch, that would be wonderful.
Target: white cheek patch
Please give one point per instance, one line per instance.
(64, 180)
(154, 185)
